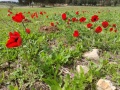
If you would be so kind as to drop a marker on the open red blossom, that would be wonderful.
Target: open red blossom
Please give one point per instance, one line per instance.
(64, 16)
(41, 13)
(114, 25)
(98, 29)
(111, 29)
(18, 17)
(77, 12)
(94, 18)
(82, 19)
(76, 33)
(89, 25)
(27, 30)
(32, 15)
(105, 24)
(73, 19)
(52, 24)
(35, 14)
(14, 40)
(8, 14)
(9, 10)
(115, 30)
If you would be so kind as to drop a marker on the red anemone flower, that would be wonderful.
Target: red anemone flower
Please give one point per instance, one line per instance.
(77, 12)
(82, 19)
(52, 24)
(32, 15)
(114, 25)
(94, 18)
(89, 25)
(18, 17)
(105, 24)
(98, 29)
(41, 13)
(64, 16)
(73, 19)
(8, 14)
(76, 33)
(27, 30)
(14, 40)
(35, 14)
(111, 29)
(115, 30)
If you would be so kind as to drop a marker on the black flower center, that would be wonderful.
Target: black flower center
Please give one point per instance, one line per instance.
(16, 39)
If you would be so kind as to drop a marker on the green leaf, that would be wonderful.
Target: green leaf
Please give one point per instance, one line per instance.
(2, 78)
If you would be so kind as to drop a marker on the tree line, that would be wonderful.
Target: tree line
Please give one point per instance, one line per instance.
(73, 2)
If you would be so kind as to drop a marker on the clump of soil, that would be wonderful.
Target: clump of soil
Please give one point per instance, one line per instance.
(54, 43)
(48, 29)
(40, 86)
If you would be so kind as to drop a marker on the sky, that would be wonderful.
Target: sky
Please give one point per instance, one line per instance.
(10, 0)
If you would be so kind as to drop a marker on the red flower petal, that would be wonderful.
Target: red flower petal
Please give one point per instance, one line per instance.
(18, 17)
(105, 24)
(82, 19)
(14, 40)
(94, 18)
(64, 16)
(89, 25)
(27, 30)
(98, 29)
(76, 33)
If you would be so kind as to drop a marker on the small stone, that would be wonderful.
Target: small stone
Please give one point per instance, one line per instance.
(85, 69)
(3, 88)
(92, 54)
(48, 29)
(112, 62)
(72, 48)
(4, 65)
(104, 84)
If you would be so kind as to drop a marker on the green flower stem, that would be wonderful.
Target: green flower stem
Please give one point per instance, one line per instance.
(24, 25)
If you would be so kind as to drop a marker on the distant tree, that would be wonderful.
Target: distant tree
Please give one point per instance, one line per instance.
(60, 1)
(115, 2)
(20, 1)
(83, 2)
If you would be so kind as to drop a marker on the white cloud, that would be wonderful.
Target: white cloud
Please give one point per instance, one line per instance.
(10, 0)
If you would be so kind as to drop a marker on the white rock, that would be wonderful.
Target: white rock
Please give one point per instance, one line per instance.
(112, 62)
(104, 84)
(72, 48)
(85, 69)
(92, 54)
